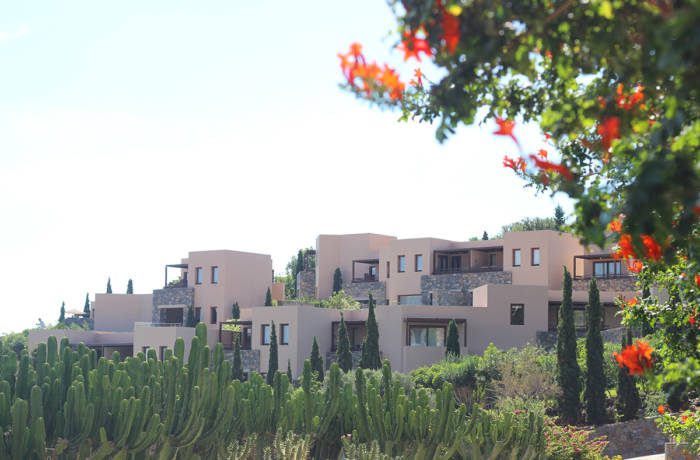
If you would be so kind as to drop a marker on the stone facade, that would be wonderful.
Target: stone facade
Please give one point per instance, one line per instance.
(361, 290)
(625, 283)
(635, 438)
(332, 357)
(306, 284)
(172, 296)
(454, 288)
(250, 359)
(548, 339)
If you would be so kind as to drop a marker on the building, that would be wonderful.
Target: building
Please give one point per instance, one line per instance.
(504, 291)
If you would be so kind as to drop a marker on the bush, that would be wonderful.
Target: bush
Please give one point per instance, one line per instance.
(610, 366)
(340, 301)
(531, 374)
(569, 442)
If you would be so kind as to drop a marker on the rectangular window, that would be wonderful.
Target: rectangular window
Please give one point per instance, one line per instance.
(443, 263)
(284, 334)
(614, 268)
(580, 319)
(198, 276)
(265, 334)
(535, 256)
(388, 267)
(402, 264)
(419, 262)
(517, 314)
(456, 263)
(198, 314)
(426, 336)
(415, 299)
(492, 259)
(607, 269)
(214, 275)
(212, 315)
(516, 257)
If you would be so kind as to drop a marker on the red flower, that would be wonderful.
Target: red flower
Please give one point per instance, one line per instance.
(609, 130)
(661, 410)
(692, 320)
(549, 166)
(371, 77)
(636, 358)
(632, 302)
(412, 46)
(542, 154)
(615, 225)
(514, 164)
(625, 249)
(634, 265)
(697, 280)
(651, 247)
(450, 31)
(505, 128)
(419, 78)
(684, 418)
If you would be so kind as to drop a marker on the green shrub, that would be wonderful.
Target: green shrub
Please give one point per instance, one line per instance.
(571, 443)
(610, 366)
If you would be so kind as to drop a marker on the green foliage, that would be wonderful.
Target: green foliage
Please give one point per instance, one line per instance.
(289, 370)
(559, 220)
(235, 311)
(569, 371)
(273, 363)
(370, 346)
(452, 342)
(337, 280)
(62, 315)
(530, 224)
(340, 301)
(237, 369)
(304, 260)
(289, 446)
(190, 320)
(86, 307)
(610, 366)
(316, 361)
(485, 236)
(130, 287)
(268, 298)
(343, 347)
(109, 285)
(628, 402)
(569, 442)
(594, 394)
(683, 428)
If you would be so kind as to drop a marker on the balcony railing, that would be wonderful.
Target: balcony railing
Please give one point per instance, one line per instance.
(605, 277)
(147, 324)
(446, 271)
(367, 278)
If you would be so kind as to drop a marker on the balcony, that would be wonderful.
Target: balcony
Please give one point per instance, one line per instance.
(475, 260)
(610, 274)
(179, 282)
(452, 270)
(365, 270)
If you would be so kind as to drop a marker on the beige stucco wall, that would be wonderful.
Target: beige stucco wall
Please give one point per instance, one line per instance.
(119, 312)
(155, 337)
(37, 336)
(277, 291)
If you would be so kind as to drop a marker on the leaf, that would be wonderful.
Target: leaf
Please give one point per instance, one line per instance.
(606, 10)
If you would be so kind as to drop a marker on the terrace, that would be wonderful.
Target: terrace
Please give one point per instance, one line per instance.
(479, 260)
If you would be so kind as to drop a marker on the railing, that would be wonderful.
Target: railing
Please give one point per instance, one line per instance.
(445, 271)
(604, 277)
(147, 324)
(367, 278)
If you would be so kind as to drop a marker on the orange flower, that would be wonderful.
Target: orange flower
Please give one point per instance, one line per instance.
(418, 81)
(615, 225)
(505, 128)
(609, 130)
(697, 280)
(412, 46)
(684, 418)
(514, 164)
(632, 302)
(634, 265)
(625, 250)
(651, 247)
(661, 410)
(636, 358)
(450, 31)
(549, 166)
(370, 77)
(542, 154)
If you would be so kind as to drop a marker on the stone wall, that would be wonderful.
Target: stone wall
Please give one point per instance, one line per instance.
(306, 284)
(332, 357)
(172, 296)
(548, 339)
(361, 290)
(454, 288)
(635, 438)
(250, 359)
(625, 283)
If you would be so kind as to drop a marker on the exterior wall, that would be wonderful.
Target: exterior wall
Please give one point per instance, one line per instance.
(90, 338)
(360, 291)
(156, 337)
(306, 284)
(277, 291)
(453, 288)
(607, 284)
(119, 312)
(171, 296)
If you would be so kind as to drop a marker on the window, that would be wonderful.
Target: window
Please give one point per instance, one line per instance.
(414, 299)
(214, 275)
(284, 334)
(426, 336)
(198, 275)
(493, 257)
(517, 314)
(456, 263)
(265, 334)
(212, 315)
(419, 262)
(144, 350)
(580, 319)
(535, 256)
(443, 264)
(516, 257)
(388, 271)
(607, 269)
(198, 314)
(356, 334)
(402, 264)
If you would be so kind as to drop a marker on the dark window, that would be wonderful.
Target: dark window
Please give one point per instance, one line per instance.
(265, 334)
(247, 338)
(356, 335)
(607, 269)
(198, 275)
(419, 262)
(456, 263)
(212, 315)
(161, 352)
(402, 264)
(443, 263)
(426, 336)
(535, 256)
(284, 334)
(198, 314)
(517, 314)
(388, 267)
(492, 259)
(214, 275)
(516, 257)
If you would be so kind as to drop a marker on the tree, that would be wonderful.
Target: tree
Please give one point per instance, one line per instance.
(569, 371)
(109, 285)
(343, 348)
(235, 311)
(62, 316)
(628, 402)
(86, 307)
(130, 287)
(370, 346)
(268, 298)
(485, 236)
(190, 320)
(316, 361)
(337, 280)
(529, 224)
(289, 370)
(559, 217)
(297, 264)
(237, 369)
(452, 343)
(595, 376)
(300, 263)
(273, 364)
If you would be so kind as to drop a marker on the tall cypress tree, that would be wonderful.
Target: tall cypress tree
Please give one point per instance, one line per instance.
(62, 315)
(109, 285)
(485, 236)
(559, 217)
(273, 364)
(628, 401)
(130, 287)
(316, 361)
(569, 371)
(237, 370)
(595, 376)
(86, 308)
(337, 280)
(289, 370)
(344, 353)
(370, 346)
(268, 298)
(452, 343)
(235, 311)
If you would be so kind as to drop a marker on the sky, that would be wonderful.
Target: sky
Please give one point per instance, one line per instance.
(134, 132)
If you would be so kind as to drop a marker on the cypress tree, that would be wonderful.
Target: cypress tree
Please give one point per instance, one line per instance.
(569, 371)
(628, 401)
(370, 346)
(485, 236)
(289, 370)
(130, 287)
(237, 370)
(452, 343)
(316, 361)
(559, 217)
(268, 298)
(300, 262)
(595, 376)
(62, 316)
(190, 321)
(337, 280)
(273, 364)
(109, 285)
(86, 308)
(235, 311)
(343, 349)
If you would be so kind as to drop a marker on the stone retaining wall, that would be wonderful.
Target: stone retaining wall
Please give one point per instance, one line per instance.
(250, 359)
(625, 283)
(332, 357)
(172, 296)
(306, 284)
(635, 438)
(454, 288)
(361, 290)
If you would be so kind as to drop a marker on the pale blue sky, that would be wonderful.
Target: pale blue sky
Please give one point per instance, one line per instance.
(133, 132)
